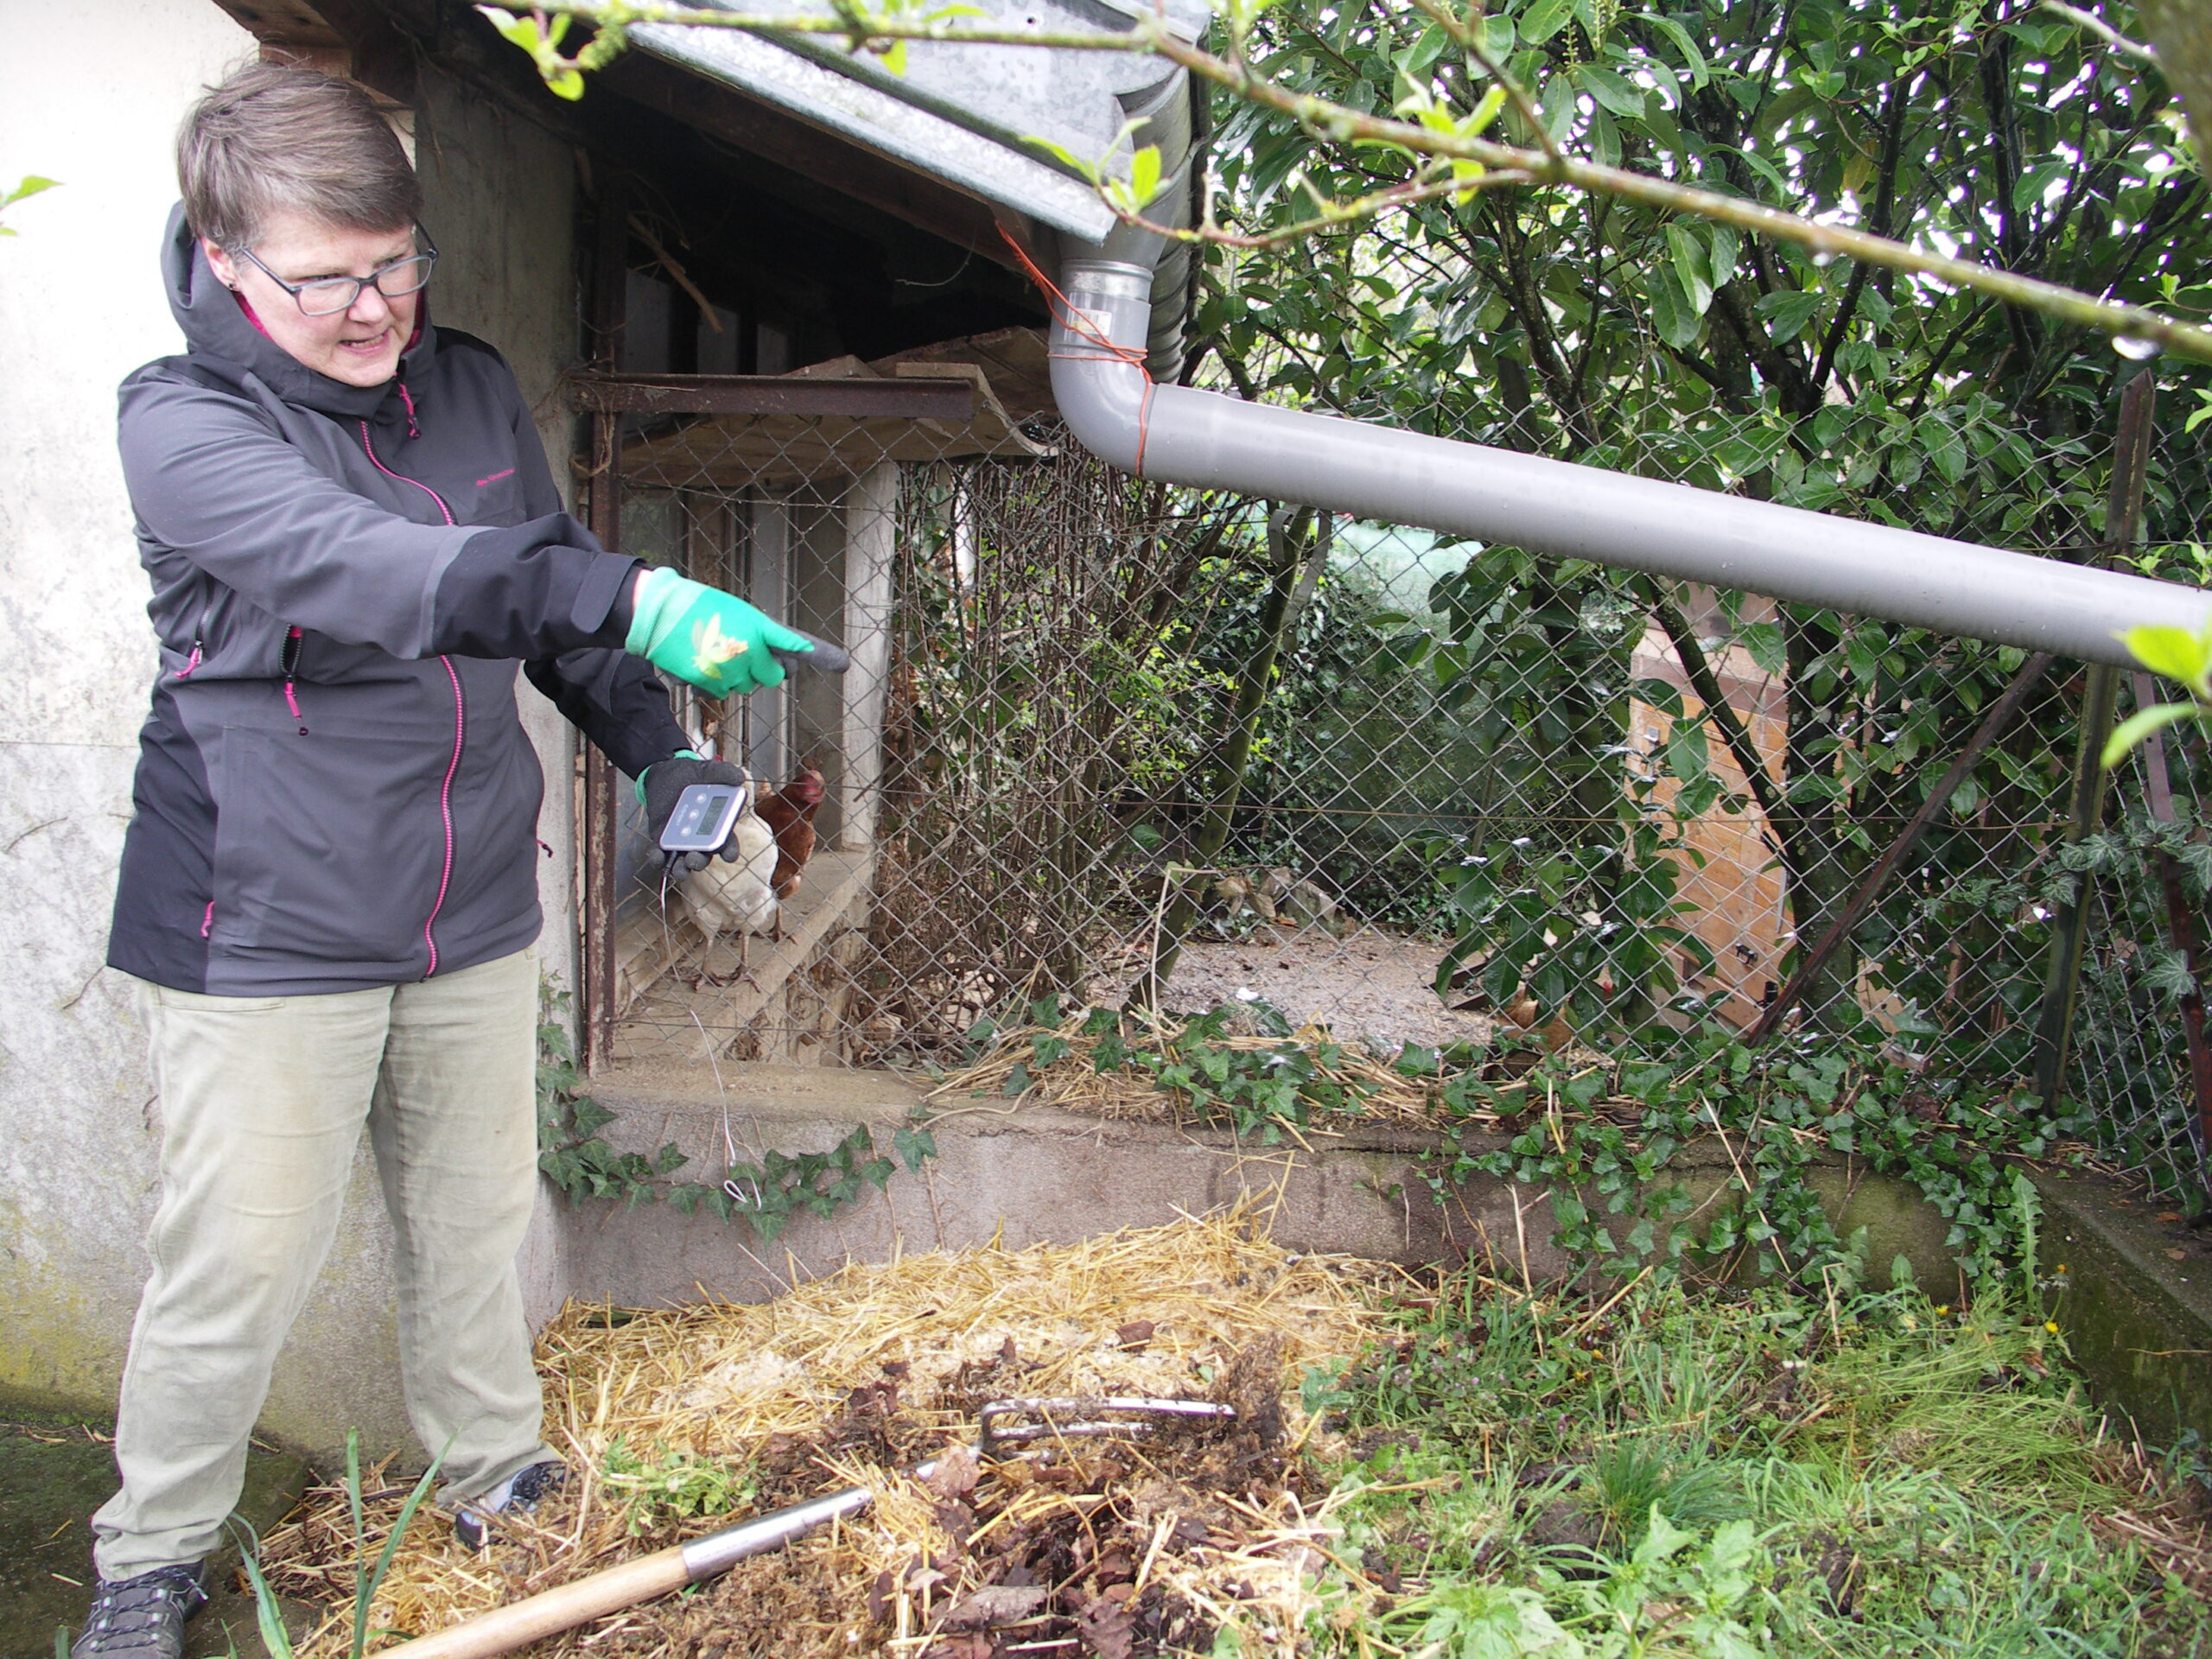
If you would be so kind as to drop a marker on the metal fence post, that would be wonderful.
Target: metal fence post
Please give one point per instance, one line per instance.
(2069, 927)
(2180, 925)
(600, 782)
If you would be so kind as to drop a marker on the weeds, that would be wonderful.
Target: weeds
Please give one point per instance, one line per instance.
(1724, 1474)
(367, 1580)
(677, 1486)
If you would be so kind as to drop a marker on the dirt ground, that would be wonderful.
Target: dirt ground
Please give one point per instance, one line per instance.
(1370, 984)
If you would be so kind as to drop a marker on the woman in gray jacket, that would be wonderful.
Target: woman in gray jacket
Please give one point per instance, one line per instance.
(328, 892)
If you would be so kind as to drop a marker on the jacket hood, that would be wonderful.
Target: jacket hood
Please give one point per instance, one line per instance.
(218, 331)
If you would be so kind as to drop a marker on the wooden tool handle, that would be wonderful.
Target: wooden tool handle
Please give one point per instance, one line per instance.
(561, 1608)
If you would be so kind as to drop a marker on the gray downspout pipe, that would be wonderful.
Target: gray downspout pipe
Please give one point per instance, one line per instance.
(1180, 435)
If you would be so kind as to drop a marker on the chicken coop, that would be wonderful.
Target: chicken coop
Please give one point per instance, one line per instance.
(1110, 740)
(798, 498)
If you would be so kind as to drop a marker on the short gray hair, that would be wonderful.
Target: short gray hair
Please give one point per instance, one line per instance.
(277, 138)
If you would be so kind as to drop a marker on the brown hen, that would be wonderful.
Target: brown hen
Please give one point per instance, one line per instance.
(789, 813)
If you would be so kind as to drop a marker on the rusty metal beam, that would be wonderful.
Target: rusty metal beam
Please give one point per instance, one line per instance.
(601, 803)
(2181, 923)
(2069, 927)
(853, 398)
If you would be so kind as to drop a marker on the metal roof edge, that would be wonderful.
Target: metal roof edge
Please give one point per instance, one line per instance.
(899, 130)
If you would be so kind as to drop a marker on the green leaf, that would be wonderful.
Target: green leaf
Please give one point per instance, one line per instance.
(1672, 314)
(2140, 724)
(266, 1612)
(1427, 50)
(1787, 311)
(913, 1145)
(1067, 158)
(1693, 57)
(2174, 652)
(1544, 19)
(1943, 447)
(1666, 698)
(1612, 92)
(1724, 246)
(520, 31)
(1485, 112)
(31, 186)
(1690, 267)
(1769, 649)
(1144, 174)
(1688, 753)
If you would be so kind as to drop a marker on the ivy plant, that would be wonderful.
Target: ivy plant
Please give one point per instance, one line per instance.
(766, 1195)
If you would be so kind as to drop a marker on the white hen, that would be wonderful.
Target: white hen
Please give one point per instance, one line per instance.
(736, 896)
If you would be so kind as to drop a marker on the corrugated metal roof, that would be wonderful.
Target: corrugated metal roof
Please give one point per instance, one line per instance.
(960, 113)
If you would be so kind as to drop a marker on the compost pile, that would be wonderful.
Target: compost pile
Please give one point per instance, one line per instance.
(676, 1423)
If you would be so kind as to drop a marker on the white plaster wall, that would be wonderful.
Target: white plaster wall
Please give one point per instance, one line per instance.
(499, 201)
(90, 94)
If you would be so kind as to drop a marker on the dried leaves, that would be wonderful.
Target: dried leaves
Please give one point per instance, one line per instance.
(1115, 1549)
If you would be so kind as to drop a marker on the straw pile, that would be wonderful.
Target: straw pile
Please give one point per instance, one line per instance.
(725, 1411)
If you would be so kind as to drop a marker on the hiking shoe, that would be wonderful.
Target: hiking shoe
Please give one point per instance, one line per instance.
(517, 1495)
(143, 1617)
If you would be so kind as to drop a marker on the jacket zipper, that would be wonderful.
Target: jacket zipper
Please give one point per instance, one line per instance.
(291, 669)
(198, 640)
(460, 708)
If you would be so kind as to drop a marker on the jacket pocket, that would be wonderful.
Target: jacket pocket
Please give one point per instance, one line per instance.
(495, 500)
(328, 848)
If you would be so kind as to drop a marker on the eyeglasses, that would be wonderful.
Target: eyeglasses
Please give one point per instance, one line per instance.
(326, 297)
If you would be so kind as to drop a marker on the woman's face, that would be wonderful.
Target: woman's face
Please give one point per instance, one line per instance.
(359, 346)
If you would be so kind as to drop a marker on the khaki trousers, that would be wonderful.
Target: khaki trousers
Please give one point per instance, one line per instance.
(262, 1101)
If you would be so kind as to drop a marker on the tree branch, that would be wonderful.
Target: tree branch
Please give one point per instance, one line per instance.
(1338, 124)
(1879, 222)
(1697, 668)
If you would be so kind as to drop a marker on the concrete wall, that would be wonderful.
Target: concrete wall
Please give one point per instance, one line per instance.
(1044, 1175)
(90, 94)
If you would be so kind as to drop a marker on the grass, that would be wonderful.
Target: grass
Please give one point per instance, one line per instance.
(1686, 1472)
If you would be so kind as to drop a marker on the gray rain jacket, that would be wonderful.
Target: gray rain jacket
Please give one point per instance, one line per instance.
(333, 789)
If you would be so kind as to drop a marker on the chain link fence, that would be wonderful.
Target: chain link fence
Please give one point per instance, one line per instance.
(1111, 742)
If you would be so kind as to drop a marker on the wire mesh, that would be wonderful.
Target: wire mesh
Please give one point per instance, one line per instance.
(1106, 741)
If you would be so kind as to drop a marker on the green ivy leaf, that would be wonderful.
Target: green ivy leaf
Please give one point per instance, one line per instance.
(913, 1145)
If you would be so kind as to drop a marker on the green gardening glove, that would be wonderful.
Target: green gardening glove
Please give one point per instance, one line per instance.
(711, 640)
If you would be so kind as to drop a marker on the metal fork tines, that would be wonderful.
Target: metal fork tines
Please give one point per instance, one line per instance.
(1127, 1415)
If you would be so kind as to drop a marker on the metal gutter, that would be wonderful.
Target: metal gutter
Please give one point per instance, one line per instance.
(1180, 435)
